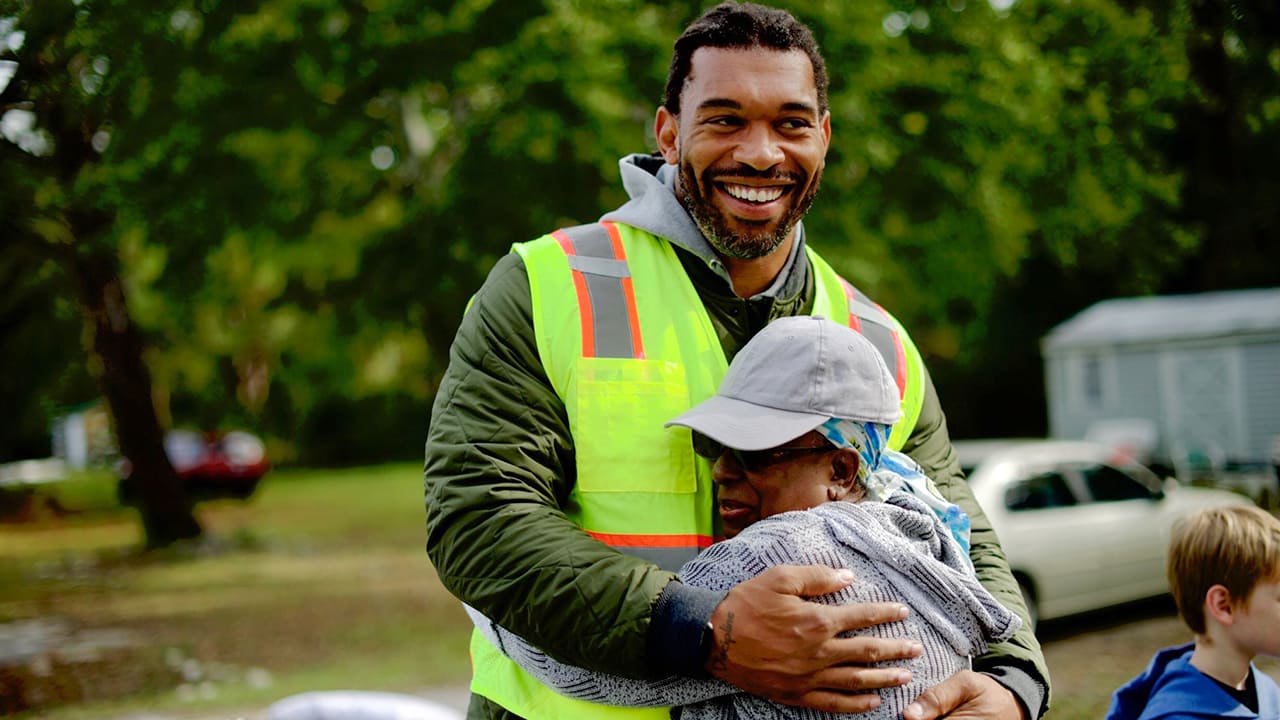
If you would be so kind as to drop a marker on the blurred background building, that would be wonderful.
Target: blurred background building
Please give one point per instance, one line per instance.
(1187, 381)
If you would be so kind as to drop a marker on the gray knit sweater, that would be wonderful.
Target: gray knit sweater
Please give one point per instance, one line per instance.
(898, 551)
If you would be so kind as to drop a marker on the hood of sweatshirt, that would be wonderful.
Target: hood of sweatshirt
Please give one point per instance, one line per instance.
(1133, 697)
(1172, 687)
(650, 183)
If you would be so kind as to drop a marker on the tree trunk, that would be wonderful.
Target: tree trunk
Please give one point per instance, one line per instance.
(167, 515)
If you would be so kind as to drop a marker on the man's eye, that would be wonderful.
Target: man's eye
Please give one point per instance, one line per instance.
(795, 124)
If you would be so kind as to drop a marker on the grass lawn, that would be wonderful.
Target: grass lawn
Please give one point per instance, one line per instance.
(318, 582)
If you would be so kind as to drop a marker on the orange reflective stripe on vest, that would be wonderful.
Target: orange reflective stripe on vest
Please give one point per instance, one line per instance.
(605, 292)
(668, 551)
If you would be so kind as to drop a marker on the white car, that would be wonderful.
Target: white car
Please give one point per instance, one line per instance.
(1082, 529)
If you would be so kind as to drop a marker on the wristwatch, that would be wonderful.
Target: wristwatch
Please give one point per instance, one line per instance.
(707, 642)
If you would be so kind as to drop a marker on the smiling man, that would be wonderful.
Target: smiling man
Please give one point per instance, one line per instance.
(559, 507)
(750, 146)
(746, 197)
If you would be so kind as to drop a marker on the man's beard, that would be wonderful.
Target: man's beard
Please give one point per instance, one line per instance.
(758, 240)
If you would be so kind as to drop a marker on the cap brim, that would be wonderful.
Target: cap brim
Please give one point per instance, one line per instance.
(745, 426)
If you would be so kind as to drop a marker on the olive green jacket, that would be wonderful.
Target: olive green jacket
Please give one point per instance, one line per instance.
(500, 464)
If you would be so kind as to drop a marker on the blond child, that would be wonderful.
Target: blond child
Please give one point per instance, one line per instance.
(1224, 570)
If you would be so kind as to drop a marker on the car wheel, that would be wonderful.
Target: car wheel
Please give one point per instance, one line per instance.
(1029, 599)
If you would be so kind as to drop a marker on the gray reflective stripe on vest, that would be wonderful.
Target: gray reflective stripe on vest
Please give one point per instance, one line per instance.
(668, 558)
(884, 341)
(594, 260)
(876, 326)
(865, 310)
(607, 267)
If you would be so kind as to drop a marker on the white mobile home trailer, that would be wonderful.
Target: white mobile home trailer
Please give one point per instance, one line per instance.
(1203, 369)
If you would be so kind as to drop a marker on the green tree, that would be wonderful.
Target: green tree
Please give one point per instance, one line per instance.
(64, 210)
(201, 175)
(298, 198)
(1227, 142)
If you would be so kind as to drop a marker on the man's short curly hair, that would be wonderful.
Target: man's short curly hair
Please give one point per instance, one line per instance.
(743, 25)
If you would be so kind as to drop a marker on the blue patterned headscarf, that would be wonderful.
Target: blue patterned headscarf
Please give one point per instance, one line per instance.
(884, 472)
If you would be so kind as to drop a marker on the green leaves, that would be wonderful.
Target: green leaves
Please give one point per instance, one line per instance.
(304, 193)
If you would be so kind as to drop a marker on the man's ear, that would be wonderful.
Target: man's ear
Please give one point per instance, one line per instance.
(666, 128)
(1218, 604)
(844, 476)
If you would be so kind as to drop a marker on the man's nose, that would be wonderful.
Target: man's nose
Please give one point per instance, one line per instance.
(760, 147)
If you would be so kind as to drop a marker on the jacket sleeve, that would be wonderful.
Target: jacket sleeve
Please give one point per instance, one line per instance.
(1017, 663)
(499, 467)
(599, 687)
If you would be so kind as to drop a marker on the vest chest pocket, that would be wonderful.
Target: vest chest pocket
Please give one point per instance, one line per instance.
(616, 418)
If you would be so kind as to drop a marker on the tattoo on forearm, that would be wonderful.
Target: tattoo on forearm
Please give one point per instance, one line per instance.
(720, 653)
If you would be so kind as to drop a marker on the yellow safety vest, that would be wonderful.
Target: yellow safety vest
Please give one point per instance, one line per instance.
(627, 346)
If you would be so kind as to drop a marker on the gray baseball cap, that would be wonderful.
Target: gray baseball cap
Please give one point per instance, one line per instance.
(794, 375)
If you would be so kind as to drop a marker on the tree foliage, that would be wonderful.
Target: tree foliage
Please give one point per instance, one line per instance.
(301, 195)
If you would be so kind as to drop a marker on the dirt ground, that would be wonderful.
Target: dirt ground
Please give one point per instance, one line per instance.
(1090, 655)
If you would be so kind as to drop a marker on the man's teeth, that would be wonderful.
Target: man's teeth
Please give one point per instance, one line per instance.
(754, 194)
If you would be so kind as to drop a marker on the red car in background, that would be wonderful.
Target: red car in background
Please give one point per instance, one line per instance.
(210, 465)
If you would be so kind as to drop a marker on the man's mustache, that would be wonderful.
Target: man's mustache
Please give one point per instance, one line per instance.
(746, 171)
